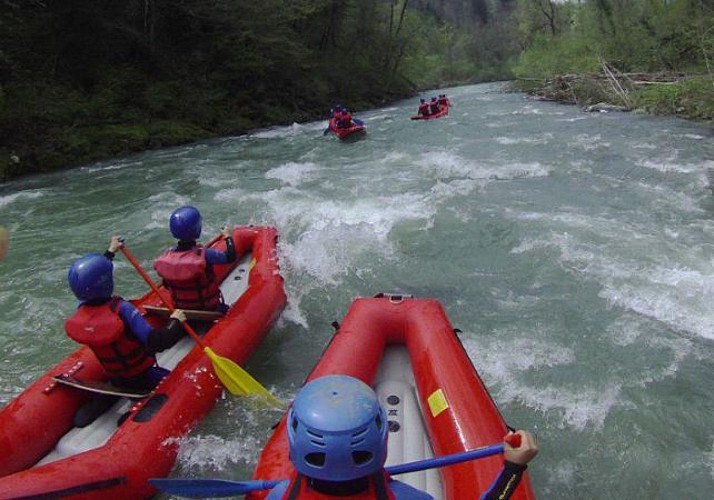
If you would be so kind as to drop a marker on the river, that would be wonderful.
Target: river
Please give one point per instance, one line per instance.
(574, 250)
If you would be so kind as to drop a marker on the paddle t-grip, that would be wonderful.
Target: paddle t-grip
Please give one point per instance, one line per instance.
(514, 440)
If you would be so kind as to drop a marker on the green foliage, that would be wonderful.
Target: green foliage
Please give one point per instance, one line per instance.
(633, 36)
(637, 35)
(692, 98)
(548, 57)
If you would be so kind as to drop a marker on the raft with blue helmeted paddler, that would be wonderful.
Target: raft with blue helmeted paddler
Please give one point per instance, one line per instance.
(436, 403)
(43, 456)
(355, 130)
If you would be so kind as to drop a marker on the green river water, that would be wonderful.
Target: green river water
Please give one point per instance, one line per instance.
(574, 250)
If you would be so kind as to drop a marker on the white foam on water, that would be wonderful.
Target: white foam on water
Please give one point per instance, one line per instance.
(284, 131)
(539, 139)
(564, 473)
(589, 142)
(626, 330)
(669, 165)
(212, 453)
(528, 109)
(293, 173)
(658, 288)
(107, 167)
(384, 114)
(499, 124)
(333, 235)
(394, 157)
(11, 198)
(680, 298)
(573, 119)
(324, 241)
(684, 199)
(443, 165)
(502, 359)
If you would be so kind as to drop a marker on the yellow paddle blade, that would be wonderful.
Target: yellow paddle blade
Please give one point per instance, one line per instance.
(238, 381)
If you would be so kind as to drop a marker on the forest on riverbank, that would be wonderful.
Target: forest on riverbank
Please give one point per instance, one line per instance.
(651, 55)
(84, 80)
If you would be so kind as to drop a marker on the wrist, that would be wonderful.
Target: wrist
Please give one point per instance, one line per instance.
(514, 467)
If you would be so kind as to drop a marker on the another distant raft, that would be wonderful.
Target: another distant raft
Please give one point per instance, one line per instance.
(343, 133)
(442, 112)
(43, 456)
(436, 403)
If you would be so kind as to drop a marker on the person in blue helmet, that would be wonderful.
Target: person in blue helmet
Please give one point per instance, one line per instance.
(122, 340)
(187, 268)
(322, 423)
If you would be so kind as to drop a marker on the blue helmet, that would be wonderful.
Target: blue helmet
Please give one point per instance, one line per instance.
(90, 277)
(185, 223)
(337, 429)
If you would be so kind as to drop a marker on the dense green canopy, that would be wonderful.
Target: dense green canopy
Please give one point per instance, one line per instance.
(87, 79)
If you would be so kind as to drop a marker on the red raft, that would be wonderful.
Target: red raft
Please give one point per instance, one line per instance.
(444, 111)
(43, 456)
(354, 131)
(437, 405)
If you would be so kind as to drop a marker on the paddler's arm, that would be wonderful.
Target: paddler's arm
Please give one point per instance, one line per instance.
(156, 340)
(216, 257)
(515, 463)
(114, 245)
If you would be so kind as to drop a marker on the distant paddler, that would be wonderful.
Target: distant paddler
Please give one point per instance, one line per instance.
(4, 241)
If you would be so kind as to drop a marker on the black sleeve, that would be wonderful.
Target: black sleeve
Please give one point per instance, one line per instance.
(163, 338)
(230, 252)
(109, 255)
(506, 483)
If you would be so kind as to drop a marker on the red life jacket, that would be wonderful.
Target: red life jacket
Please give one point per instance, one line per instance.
(189, 278)
(101, 328)
(378, 490)
(424, 109)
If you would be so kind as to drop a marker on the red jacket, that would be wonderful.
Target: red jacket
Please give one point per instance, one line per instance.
(101, 328)
(189, 278)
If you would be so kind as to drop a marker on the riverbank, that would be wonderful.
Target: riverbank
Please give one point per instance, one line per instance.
(57, 144)
(675, 94)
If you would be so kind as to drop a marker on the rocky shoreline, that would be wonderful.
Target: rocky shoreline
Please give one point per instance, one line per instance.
(678, 94)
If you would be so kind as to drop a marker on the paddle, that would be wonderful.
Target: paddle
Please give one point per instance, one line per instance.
(358, 121)
(201, 488)
(234, 378)
(205, 488)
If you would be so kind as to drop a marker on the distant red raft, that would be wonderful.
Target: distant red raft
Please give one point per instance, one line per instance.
(43, 456)
(343, 133)
(436, 403)
(442, 112)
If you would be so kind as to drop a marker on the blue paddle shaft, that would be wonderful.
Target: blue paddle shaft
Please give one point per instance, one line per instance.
(456, 458)
(201, 488)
